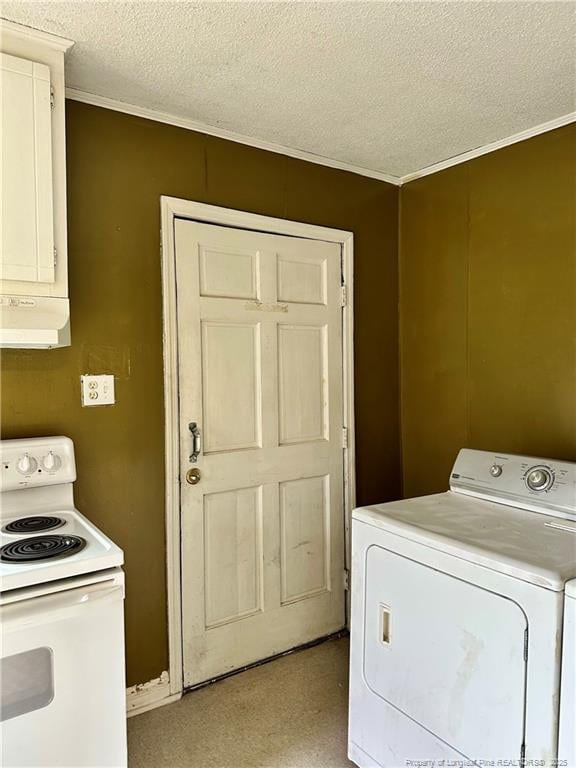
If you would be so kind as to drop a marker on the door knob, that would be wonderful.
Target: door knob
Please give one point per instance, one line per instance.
(193, 476)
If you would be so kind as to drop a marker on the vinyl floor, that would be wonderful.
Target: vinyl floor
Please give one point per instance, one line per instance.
(288, 713)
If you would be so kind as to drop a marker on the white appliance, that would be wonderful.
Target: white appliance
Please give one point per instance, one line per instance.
(62, 625)
(458, 615)
(567, 746)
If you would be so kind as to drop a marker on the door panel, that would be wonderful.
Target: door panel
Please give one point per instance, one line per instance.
(232, 554)
(230, 274)
(303, 397)
(302, 280)
(231, 386)
(448, 654)
(260, 372)
(305, 535)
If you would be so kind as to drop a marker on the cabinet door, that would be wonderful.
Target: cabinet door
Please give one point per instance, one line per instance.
(27, 210)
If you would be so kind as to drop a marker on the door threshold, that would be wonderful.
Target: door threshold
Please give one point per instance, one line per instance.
(310, 644)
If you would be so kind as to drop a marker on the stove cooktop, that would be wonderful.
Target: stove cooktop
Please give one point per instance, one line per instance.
(43, 537)
(36, 548)
(33, 524)
(51, 544)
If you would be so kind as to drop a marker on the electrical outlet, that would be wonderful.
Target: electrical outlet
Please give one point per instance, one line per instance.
(97, 390)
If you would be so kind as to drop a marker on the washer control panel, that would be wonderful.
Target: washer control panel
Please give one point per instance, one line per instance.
(540, 478)
(523, 481)
(36, 462)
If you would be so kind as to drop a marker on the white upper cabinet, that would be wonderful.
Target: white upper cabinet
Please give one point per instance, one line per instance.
(27, 201)
(34, 307)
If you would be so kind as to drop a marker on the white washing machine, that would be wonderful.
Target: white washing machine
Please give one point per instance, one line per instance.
(458, 605)
(567, 745)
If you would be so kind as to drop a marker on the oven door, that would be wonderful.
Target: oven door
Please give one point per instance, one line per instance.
(62, 673)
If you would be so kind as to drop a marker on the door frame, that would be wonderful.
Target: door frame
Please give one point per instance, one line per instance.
(172, 208)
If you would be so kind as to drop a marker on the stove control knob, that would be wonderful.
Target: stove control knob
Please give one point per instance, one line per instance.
(539, 478)
(495, 470)
(51, 462)
(26, 465)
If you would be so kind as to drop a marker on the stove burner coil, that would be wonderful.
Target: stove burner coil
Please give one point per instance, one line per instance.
(38, 548)
(33, 524)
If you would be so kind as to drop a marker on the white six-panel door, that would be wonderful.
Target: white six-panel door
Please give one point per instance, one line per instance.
(260, 373)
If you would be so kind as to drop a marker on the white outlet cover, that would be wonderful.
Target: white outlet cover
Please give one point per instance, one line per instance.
(97, 389)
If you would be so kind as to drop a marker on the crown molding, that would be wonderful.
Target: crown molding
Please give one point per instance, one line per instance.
(551, 125)
(29, 33)
(192, 125)
(299, 154)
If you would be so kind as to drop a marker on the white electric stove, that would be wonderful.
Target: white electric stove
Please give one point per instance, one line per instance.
(61, 611)
(463, 639)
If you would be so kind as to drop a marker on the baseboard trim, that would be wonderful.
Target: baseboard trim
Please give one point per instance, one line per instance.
(146, 696)
(156, 693)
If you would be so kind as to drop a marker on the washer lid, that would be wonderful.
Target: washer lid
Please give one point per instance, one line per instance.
(537, 548)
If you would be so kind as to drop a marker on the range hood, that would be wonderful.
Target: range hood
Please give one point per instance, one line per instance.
(34, 322)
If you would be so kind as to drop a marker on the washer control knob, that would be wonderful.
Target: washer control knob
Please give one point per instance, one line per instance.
(539, 478)
(51, 462)
(26, 465)
(495, 470)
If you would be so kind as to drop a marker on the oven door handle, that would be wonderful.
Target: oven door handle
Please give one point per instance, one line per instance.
(46, 608)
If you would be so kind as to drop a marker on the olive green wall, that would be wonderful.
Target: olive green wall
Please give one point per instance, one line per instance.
(118, 166)
(488, 319)
(488, 308)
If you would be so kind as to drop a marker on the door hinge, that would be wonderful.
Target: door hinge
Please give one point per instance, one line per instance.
(344, 295)
(526, 644)
(52, 97)
(346, 580)
(55, 255)
(344, 437)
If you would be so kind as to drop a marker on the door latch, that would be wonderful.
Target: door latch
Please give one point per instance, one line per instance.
(196, 441)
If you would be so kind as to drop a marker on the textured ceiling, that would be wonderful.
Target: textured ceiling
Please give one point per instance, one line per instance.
(387, 86)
